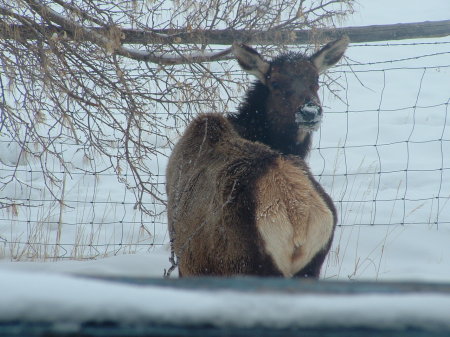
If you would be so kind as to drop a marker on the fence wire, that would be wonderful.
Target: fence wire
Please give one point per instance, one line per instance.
(382, 153)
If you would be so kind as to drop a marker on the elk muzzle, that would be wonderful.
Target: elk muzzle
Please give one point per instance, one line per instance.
(309, 115)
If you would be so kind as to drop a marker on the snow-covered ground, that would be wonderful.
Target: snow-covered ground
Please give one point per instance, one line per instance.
(397, 124)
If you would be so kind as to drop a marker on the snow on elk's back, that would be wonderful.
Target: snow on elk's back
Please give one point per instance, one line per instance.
(241, 199)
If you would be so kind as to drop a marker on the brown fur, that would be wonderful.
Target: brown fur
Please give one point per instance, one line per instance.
(238, 206)
(229, 196)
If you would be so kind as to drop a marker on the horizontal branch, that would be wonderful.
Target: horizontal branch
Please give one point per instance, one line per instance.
(401, 31)
(111, 40)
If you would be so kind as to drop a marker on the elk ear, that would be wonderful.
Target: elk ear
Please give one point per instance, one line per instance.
(330, 54)
(250, 60)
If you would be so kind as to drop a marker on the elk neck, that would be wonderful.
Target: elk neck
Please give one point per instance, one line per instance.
(252, 123)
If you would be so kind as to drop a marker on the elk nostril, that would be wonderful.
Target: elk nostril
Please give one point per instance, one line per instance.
(308, 115)
(310, 111)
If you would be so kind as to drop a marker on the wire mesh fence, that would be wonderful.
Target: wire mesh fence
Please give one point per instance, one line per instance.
(391, 163)
(382, 154)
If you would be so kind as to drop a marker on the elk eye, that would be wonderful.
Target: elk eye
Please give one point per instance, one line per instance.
(276, 85)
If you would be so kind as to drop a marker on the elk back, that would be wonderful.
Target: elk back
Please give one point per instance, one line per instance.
(238, 207)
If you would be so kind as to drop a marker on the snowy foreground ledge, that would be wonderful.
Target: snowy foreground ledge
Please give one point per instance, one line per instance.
(37, 304)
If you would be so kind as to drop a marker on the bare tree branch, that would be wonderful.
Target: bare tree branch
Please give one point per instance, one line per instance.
(113, 45)
(400, 31)
(114, 81)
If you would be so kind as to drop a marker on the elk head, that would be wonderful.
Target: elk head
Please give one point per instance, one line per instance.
(292, 81)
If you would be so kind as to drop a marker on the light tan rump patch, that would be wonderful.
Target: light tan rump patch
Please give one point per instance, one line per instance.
(293, 219)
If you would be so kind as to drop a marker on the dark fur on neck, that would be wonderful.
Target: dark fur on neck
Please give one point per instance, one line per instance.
(251, 123)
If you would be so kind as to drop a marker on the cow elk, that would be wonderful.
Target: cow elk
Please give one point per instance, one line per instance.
(241, 199)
